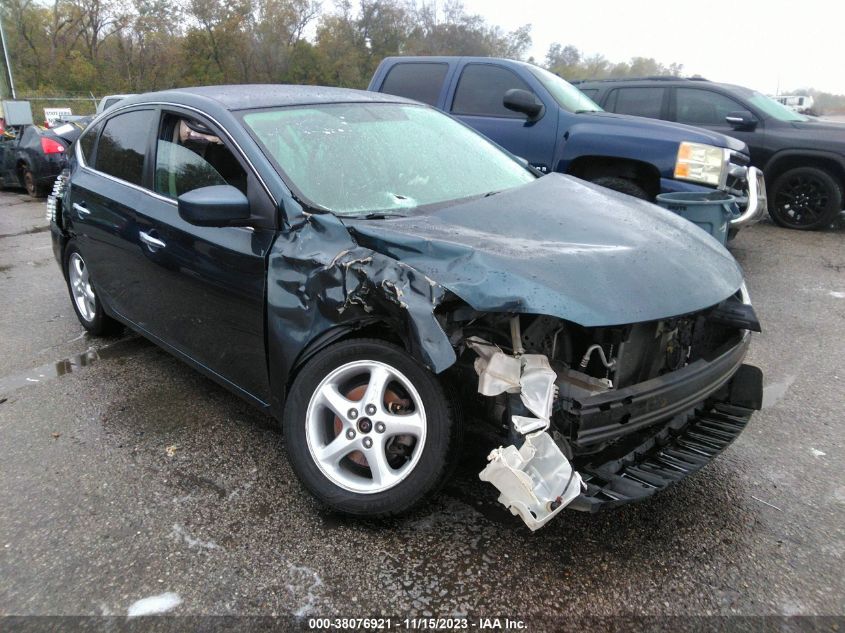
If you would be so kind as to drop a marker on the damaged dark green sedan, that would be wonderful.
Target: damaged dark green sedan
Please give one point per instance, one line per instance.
(375, 275)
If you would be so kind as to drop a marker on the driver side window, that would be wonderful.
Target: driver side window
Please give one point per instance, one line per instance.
(189, 155)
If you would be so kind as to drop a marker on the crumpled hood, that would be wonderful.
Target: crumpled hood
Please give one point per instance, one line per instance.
(562, 247)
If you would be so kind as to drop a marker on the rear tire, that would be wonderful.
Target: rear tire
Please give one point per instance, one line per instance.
(805, 198)
(622, 185)
(30, 184)
(83, 297)
(351, 446)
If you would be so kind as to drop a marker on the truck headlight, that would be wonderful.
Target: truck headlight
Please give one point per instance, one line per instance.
(701, 163)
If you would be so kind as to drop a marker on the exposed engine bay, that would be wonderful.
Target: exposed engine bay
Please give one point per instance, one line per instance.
(551, 386)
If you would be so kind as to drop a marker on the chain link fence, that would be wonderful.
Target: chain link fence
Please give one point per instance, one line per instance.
(79, 103)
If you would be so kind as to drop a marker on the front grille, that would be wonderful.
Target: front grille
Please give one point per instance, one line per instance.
(738, 158)
(736, 182)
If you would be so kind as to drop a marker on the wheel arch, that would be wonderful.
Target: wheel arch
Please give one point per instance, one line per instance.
(382, 328)
(782, 162)
(593, 166)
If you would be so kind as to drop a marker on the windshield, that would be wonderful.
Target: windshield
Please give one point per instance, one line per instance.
(774, 109)
(357, 159)
(567, 95)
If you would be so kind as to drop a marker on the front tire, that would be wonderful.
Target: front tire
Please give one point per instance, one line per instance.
(805, 198)
(622, 185)
(83, 297)
(369, 430)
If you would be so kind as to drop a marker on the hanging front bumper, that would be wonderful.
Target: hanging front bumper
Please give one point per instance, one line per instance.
(689, 441)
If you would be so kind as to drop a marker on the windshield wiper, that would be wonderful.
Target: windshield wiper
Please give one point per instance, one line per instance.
(381, 215)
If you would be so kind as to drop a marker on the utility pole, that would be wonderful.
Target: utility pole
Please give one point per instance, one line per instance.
(7, 63)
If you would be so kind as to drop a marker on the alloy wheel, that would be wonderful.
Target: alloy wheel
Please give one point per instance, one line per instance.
(80, 287)
(365, 427)
(802, 200)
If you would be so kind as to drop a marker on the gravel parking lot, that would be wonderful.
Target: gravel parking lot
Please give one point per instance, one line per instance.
(127, 475)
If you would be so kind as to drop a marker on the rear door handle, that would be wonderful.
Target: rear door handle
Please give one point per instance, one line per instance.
(152, 242)
(80, 209)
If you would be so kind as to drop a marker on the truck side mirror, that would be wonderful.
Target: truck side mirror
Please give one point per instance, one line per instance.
(525, 102)
(742, 120)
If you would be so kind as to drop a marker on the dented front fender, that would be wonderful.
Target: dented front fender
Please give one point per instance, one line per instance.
(319, 279)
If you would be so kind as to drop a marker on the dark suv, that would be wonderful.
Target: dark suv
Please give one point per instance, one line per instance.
(803, 158)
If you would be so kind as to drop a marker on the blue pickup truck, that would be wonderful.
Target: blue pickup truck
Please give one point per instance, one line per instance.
(541, 118)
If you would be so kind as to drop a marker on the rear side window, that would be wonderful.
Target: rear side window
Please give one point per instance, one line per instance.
(123, 145)
(590, 92)
(418, 81)
(482, 89)
(647, 102)
(703, 107)
(88, 140)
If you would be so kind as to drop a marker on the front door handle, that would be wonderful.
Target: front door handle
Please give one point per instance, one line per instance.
(152, 242)
(80, 209)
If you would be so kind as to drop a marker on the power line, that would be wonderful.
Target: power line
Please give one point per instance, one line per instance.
(6, 57)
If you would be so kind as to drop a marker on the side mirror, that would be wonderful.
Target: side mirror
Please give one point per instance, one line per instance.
(217, 205)
(742, 120)
(523, 101)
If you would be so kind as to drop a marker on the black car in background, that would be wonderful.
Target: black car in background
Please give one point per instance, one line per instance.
(32, 156)
(803, 158)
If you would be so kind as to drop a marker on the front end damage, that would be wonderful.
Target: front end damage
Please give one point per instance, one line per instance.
(596, 417)
(524, 318)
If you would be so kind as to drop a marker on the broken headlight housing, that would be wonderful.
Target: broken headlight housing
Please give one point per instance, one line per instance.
(706, 164)
(54, 200)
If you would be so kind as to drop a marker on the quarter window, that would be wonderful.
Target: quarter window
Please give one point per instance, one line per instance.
(703, 107)
(418, 81)
(123, 145)
(481, 91)
(190, 155)
(647, 102)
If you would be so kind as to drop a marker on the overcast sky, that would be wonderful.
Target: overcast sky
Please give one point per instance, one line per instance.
(755, 43)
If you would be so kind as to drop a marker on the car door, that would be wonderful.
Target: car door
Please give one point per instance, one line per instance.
(477, 101)
(707, 108)
(105, 191)
(201, 289)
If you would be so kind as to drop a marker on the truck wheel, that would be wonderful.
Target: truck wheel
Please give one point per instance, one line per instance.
(805, 198)
(87, 306)
(622, 185)
(369, 430)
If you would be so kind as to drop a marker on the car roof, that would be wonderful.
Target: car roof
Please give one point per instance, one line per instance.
(445, 59)
(661, 80)
(251, 96)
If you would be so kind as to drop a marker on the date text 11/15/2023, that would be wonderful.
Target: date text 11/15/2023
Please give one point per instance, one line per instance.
(418, 624)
